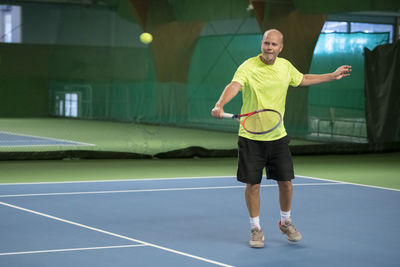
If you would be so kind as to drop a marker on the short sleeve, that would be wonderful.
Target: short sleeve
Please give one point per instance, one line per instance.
(240, 75)
(295, 76)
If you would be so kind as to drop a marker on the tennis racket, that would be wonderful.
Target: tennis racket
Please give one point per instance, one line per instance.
(258, 122)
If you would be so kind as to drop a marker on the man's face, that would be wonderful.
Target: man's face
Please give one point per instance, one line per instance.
(271, 46)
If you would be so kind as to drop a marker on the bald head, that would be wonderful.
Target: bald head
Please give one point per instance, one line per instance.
(271, 46)
(273, 33)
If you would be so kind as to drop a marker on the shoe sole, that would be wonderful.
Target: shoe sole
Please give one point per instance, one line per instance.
(257, 244)
(291, 240)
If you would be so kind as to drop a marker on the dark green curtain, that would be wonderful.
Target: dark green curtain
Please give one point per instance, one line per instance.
(382, 93)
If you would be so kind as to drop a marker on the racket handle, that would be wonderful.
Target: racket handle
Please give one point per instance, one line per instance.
(228, 116)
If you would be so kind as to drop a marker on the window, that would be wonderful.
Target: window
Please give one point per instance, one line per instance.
(67, 104)
(71, 105)
(369, 27)
(10, 24)
(7, 27)
(335, 26)
(344, 26)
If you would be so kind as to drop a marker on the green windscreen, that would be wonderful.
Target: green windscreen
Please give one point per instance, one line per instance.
(209, 75)
(214, 61)
(337, 109)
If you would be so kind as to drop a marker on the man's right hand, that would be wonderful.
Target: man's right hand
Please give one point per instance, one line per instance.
(229, 92)
(217, 112)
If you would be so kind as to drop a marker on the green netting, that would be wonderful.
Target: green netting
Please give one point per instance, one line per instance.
(114, 101)
(137, 101)
(337, 109)
(214, 62)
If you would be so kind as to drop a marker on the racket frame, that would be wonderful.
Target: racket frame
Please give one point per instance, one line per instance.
(247, 115)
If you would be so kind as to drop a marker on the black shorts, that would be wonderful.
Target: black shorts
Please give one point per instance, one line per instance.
(254, 156)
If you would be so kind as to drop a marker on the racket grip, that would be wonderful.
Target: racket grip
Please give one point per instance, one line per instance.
(228, 116)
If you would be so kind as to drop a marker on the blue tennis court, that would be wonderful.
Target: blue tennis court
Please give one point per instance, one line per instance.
(15, 140)
(193, 222)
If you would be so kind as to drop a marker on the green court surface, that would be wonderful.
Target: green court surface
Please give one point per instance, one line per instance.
(130, 138)
(150, 141)
(114, 136)
(371, 169)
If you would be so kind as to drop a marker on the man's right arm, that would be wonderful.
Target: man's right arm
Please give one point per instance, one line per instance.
(312, 79)
(230, 91)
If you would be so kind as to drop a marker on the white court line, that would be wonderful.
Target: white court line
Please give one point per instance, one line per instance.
(125, 180)
(189, 178)
(47, 138)
(156, 190)
(67, 250)
(116, 235)
(349, 183)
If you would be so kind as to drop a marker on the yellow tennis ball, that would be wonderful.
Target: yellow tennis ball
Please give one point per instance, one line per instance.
(146, 38)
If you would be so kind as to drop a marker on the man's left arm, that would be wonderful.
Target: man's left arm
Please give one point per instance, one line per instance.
(339, 73)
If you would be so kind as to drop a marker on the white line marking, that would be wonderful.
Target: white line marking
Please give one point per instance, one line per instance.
(125, 180)
(349, 183)
(155, 190)
(44, 145)
(117, 235)
(189, 178)
(67, 250)
(47, 138)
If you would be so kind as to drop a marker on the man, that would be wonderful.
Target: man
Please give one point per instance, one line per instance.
(264, 81)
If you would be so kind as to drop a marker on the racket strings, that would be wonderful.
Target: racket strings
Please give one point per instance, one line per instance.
(262, 122)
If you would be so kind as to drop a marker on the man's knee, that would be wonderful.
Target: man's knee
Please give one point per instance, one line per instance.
(285, 185)
(253, 188)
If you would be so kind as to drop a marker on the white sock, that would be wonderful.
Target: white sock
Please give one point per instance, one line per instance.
(255, 222)
(285, 215)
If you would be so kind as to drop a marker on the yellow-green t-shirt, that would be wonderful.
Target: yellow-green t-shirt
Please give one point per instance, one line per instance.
(265, 86)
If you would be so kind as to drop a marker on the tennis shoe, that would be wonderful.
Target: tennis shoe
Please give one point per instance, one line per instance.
(256, 238)
(290, 231)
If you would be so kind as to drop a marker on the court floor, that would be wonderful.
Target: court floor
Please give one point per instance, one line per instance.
(194, 222)
(22, 140)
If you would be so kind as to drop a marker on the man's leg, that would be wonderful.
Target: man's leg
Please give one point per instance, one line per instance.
(285, 201)
(252, 196)
(285, 195)
(251, 163)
